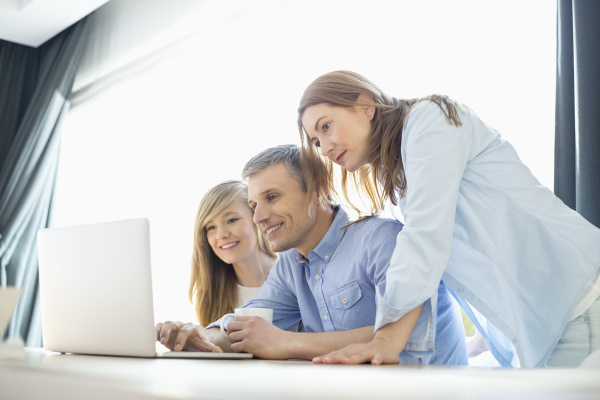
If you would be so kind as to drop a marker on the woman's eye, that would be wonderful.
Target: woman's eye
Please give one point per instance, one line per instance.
(316, 143)
(232, 220)
(252, 206)
(326, 126)
(210, 228)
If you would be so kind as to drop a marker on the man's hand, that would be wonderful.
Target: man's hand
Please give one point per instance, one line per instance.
(179, 336)
(259, 337)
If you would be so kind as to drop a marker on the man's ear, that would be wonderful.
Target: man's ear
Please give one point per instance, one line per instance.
(364, 98)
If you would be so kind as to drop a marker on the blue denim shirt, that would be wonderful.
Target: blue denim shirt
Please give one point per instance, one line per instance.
(335, 289)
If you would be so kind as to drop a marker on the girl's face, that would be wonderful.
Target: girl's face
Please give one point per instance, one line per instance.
(340, 132)
(231, 234)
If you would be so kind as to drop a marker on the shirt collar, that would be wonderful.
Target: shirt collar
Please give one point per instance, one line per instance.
(332, 238)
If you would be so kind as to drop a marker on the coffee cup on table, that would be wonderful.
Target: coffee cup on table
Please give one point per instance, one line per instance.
(264, 313)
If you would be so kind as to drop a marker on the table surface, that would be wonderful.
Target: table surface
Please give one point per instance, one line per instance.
(45, 375)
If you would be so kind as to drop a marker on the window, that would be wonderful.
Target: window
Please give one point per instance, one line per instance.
(153, 142)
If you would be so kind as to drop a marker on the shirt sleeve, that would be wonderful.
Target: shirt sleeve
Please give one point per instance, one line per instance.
(435, 154)
(276, 293)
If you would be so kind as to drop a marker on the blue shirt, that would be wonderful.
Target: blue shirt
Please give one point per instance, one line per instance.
(335, 289)
(514, 255)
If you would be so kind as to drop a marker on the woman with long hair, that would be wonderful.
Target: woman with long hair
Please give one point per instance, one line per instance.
(230, 258)
(523, 266)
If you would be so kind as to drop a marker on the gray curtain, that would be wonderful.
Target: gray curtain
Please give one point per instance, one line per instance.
(35, 86)
(577, 135)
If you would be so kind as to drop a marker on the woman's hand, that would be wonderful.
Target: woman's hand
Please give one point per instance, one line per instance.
(385, 348)
(377, 352)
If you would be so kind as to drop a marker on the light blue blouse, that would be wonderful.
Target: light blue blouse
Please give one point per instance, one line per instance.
(476, 217)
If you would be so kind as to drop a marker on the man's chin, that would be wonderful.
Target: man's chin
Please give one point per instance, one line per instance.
(278, 247)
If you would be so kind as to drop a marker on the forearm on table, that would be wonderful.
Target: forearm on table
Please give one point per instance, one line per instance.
(307, 345)
(396, 334)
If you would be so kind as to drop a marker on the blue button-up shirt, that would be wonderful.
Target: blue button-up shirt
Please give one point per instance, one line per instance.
(335, 289)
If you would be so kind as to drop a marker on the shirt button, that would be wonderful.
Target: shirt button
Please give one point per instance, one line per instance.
(326, 257)
(317, 277)
(325, 317)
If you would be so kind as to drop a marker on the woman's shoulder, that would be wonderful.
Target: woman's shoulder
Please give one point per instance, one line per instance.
(430, 114)
(429, 108)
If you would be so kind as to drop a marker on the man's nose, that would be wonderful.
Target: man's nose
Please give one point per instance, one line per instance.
(260, 214)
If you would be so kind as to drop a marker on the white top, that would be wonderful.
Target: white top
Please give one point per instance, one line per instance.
(477, 218)
(245, 294)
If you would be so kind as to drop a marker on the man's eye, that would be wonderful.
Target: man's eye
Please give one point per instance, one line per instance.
(271, 197)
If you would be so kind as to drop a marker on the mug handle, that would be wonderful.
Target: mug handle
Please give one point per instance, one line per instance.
(230, 315)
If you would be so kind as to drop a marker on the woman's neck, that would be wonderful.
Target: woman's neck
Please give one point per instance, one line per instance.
(253, 272)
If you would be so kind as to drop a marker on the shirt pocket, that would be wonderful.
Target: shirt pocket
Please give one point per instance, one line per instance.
(345, 297)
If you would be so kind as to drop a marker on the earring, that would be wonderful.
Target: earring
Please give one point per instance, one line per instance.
(369, 115)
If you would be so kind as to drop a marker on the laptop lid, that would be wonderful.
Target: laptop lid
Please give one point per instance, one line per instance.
(96, 288)
(96, 291)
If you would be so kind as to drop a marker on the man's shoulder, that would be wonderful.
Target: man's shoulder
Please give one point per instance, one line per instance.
(371, 225)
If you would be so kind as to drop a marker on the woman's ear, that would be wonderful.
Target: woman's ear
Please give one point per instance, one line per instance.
(364, 98)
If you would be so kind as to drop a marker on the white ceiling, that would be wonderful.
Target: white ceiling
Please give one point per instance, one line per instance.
(33, 22)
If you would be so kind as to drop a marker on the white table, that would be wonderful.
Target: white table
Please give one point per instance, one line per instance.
(45, 375)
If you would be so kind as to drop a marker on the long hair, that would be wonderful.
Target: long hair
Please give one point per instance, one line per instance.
(382, 178)
(213, 290)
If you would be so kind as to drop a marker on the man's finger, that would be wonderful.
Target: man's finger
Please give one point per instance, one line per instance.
(202, 345)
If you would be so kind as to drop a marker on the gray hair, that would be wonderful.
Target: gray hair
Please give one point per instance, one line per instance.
(287, 154)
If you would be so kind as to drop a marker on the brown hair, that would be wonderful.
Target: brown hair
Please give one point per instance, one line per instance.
(305, 172)
(213, 288)
(383, 177)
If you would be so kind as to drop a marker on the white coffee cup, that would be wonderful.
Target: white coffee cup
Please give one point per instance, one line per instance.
(264, 313)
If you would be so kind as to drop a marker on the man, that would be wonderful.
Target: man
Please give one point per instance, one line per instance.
(326, 276)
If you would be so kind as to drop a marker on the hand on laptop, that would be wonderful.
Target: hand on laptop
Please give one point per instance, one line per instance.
(180, 336)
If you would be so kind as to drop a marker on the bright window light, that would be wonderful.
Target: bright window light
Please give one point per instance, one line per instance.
(150, 145)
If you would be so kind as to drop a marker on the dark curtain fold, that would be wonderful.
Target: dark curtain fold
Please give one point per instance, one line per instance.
(577, 135)
(35, 85)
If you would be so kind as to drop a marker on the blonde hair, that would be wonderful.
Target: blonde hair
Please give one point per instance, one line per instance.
(213, 290)
(382, 178)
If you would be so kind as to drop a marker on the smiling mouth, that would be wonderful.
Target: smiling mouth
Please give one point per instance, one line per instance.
(273, 229)
(229, 245)
(340, 157)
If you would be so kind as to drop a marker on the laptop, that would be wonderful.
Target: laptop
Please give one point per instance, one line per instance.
(96, 291)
